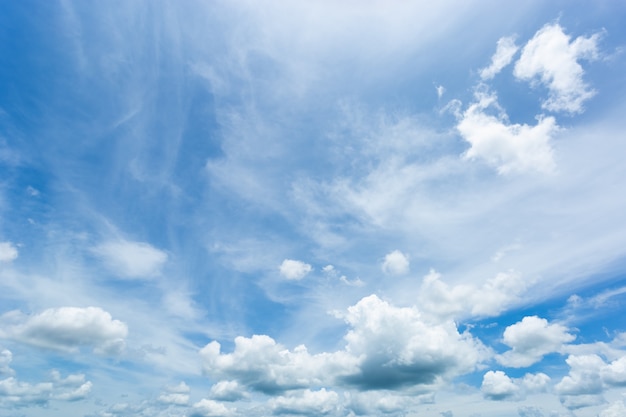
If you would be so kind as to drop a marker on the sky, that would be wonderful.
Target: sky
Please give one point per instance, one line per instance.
(312, 208)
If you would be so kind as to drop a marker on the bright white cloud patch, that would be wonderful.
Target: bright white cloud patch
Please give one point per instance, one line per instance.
(8, 252)
(531, 339)
(228, 391)
(387, 347)
(498, 386)
(551, 59)
(131, 260)
(510, 148)
(505, 51)
(67, 329)
(210, 408)
(494, 296)
(294, 270)
(6, 357)
(617, 409)
(396, 263)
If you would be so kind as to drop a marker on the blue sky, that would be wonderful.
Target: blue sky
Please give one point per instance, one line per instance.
(239, 208)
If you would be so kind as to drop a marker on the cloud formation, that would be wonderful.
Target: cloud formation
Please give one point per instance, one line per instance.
(131, 260)
(396, 263)
(551, 59)
(503, 56)
(294, 270)
(531, 339)
(8, 252)
(67, 329)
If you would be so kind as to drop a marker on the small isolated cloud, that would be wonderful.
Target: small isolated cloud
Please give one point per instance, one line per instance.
(505, 51)
(552, 60)
(210, 408)
(294, 270)
(531, 339)
(8, 252)
(306, 402)
(131, 260)
(6, 357)
(396, 263)
(440, 90)
(510, 148)
(67, 329)
(499, 386)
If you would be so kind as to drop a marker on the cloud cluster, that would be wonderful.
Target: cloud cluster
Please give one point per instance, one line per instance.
(551, 59)
(387, 347)
(15, 393)
(67, 329)
(396, 263)
(497, 385)
(505, 51)
(531, 339)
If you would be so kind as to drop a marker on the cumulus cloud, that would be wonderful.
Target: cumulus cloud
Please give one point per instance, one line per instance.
(8, 252)
(491, 298)
(15, 393)
(67, 329)
(552, 60)
(131, 260)
(387, 347)
(176, 395)
(505, 51)
(6, 357)
(210, 408)
(306, 402)
(510, 148)
(396, 263)
(531, 339)
(294, 270)
(228, 391)
(497, 385)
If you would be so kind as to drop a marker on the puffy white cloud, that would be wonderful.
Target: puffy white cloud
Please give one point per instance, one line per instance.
(131, 260)
(228, 391)
(396, 263)
(550, 58)
(399, 348)
(306, 402)
(210, 408)
(68, 328)
(617, 409)
(510, 148)
(531, 339)
(294, 270)
(583, 386)
(491, 298)
(505, 51)
(8, 252)
(386, 347)
(14, 393)
(497, 385)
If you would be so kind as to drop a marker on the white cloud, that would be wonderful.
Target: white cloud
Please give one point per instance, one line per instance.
(175, 395)
(396, 263)
(497, 385)
(550, 58)
(14, 393)
(491, 298)
(531, 339)
(505, 51)
(386, 347)
(583, 386)
(228, 391)
(294, 270)
(68, 328)
(132, 260)
(306, 402)
(510, 148)
(8, 252)
(6, 357)
(210, 408)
